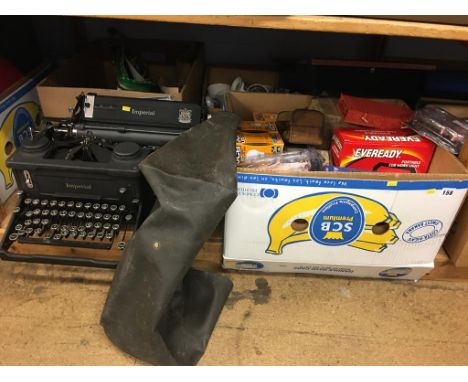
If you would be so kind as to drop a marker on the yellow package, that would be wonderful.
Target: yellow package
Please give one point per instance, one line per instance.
(262, 116)
(258, 126)
(251, 144)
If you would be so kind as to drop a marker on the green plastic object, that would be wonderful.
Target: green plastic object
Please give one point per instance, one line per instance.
(132, 75)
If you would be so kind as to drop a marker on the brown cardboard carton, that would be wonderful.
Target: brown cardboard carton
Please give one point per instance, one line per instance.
(93, 73)
(261, 232)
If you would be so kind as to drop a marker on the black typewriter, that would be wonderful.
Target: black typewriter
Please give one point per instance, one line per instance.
(81, 194)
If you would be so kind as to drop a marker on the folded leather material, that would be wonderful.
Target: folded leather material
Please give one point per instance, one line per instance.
(159, 309)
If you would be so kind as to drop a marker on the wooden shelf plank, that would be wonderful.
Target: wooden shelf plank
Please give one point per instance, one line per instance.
(357, 25)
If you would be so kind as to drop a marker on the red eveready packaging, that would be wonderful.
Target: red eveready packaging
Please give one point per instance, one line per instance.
(400, 150)
(375, 114)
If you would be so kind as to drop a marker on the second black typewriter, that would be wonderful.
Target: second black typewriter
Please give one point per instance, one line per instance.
(81, 194)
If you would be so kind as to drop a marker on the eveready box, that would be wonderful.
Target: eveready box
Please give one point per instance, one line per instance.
(401, 150)
(360, 224)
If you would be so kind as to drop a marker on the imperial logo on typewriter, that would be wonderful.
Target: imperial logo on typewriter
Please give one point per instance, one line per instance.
(185, 115)
(333, 219)
(77, 186)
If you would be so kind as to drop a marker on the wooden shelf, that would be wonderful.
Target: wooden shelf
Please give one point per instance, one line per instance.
(357, 25)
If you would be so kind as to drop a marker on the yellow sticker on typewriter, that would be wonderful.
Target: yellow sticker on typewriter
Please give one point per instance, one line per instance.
(126, 108)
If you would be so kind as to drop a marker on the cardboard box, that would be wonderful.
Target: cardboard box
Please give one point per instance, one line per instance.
(375, 114)
(94, 73)
(456, 244)
(258, 126)
(250, 75)
(355, 224)
(251, 144)
(19, 112)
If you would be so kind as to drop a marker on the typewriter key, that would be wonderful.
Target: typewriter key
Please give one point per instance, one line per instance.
(109, 235)
(54, 227)
(36, 221)
(89, 215)
(18, 227)
(16, 210)
(128, 217)
(64, 232)
(122, 207)
(45, 212)
(104, 206)
(97, 225)
(13, 236)
(53, 203)
(97, 216)
(35, 202)
(73, 228)
(64, 227)
(87, 206)
(96, 206)
(91, 234)
(57, 236)
(78, 205)
(20, 233)
(27, 222)
(115, 227)
(115, 217)
(73, 234)
(80, 215)
(62, 203)
(81, 228)
(37, 211)
(45, 221)
(44, 202)
(113, 208)
(27, 201)
(70, 204)
(38, 231)
(54, 213)
(106, 226)
(107, 217)
(29, 214)
(63, 213)
(28, 231)
(88, 225)
(83, 234)
(100, 235)
(71, 214)
(121, 245)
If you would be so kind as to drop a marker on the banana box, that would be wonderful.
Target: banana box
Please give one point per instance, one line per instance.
(252, 143)
(346, 224)
(19, 113)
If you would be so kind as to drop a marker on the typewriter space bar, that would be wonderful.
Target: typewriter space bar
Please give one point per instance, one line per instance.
(66, 243)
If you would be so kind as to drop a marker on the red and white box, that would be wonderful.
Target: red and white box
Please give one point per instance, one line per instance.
(400, 150)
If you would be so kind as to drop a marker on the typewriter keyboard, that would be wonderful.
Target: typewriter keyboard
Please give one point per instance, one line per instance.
(74, 223)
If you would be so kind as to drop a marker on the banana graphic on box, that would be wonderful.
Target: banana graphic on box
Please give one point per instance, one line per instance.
(15, 127)
(333, 219)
